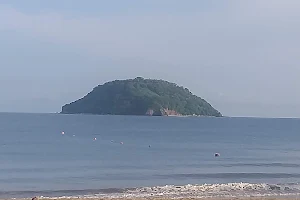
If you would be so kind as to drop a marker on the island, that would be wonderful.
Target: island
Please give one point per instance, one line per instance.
(141, 96)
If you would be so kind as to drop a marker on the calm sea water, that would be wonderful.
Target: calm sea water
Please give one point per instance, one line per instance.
(36, 158)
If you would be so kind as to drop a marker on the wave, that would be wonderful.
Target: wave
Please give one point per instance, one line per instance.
(286, 165)
(232, 175)
(215, 190)
(173, 191)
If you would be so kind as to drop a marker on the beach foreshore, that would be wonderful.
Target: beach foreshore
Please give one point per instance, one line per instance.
(162, 198)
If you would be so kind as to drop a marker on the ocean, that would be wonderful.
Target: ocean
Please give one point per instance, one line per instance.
(114, 156)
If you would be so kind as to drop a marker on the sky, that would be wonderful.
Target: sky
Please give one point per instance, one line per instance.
(241, 56)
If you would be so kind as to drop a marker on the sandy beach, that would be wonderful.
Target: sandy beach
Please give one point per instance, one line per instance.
(161, 198)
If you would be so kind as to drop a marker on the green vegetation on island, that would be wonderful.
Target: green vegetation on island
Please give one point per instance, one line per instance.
(141, 96)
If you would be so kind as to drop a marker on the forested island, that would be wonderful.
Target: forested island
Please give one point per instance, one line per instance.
(141, 96)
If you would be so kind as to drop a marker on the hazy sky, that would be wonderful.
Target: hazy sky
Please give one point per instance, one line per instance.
(241, 56)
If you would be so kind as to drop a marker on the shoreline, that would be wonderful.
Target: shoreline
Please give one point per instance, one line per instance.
(92, 114)
(204, 191)
(295, 197)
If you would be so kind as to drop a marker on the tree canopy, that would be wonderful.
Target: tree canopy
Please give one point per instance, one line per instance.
(141, 96)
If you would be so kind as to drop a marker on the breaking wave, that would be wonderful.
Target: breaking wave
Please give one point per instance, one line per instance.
(215, 190)
(199, 191)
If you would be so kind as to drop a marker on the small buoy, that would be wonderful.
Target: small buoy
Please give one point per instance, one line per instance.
(121, 143)
(95, 139)
(111, 141)
(62, 133)
(217, 154)
(149, 146)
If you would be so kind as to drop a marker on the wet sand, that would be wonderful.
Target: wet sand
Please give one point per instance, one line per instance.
(161, 198)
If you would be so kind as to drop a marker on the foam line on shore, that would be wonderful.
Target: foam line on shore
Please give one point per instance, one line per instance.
(199, 191)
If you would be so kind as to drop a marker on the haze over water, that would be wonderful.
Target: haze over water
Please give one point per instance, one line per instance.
(37, 159)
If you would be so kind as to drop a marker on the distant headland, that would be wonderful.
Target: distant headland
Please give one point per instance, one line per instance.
(141, 96)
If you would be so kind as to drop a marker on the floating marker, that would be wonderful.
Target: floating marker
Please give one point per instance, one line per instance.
(121, 143)
(217, 154)
(95, 139)
(62, 133)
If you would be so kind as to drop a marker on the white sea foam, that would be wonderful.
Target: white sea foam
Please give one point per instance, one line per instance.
(199, 190)
(205, 190)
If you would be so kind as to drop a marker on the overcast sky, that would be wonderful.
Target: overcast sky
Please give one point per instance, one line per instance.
(241, 56)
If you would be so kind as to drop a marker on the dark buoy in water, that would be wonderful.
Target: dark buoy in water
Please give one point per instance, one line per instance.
(217, 154)
(149, 146)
